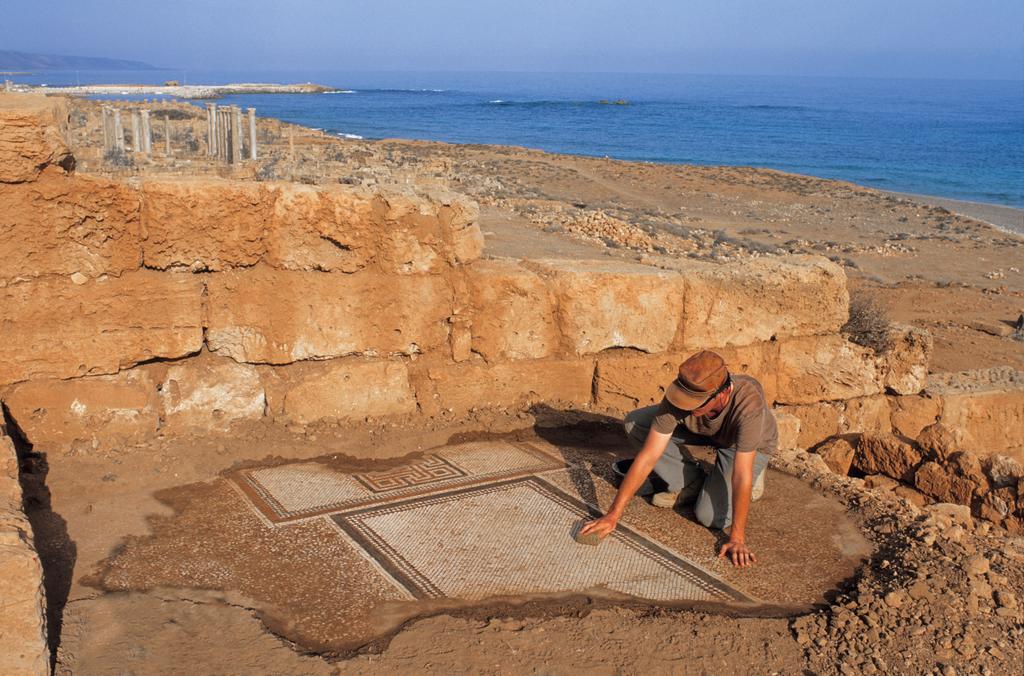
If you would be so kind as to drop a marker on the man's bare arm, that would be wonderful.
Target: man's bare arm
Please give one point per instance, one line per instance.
(653, 447)
(742, 483)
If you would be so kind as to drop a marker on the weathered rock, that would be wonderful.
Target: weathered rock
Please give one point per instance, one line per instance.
(825, 368)
(65, 225)
(55, 328)
(866, 415)
(957, 481)
(838, 455)
(32, 136)
(459, 218)
(880, 482)
(277, 317)
(605, 305)
(101, 411)
(511, 310)
(939, 441)
(345, 389)
(204, 224)
(976, 565)
(465, 387)
(789, 429)
(818, 422)
(905, 359)
(915, 497)
(762, 299)
(325, 229)
(992, 421)
(911, 414)
(1004, 471)
(886, 454)
(209, 393)
(23, 645)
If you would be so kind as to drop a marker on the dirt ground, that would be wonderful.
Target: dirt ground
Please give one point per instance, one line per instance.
(922, 604)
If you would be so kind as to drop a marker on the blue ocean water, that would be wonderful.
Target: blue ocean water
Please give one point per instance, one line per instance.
(952, 138)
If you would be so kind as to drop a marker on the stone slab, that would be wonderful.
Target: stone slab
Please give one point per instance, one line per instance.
(54, 328)
(32, 131)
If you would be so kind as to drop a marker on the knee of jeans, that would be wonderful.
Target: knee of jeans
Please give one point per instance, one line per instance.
(704, 513)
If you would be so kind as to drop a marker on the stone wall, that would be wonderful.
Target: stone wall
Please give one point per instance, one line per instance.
(23, 646)
(169, 304)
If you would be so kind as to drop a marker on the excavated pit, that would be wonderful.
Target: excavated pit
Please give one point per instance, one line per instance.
(336, 554)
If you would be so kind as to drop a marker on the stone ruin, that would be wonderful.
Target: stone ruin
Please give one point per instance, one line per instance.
(186, 306)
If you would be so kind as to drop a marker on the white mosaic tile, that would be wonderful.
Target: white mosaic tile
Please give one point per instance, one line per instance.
(515, 538)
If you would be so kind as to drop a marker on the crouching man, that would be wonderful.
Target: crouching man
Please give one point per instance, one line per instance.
(704, 406)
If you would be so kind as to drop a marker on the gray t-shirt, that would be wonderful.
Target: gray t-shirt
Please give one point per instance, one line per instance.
(746, 424)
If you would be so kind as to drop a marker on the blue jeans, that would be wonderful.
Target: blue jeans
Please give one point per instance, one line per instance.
(678, 468)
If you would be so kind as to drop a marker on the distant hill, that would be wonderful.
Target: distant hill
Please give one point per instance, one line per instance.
(25, 61)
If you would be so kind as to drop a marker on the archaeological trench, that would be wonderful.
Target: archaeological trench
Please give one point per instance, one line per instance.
(330, 410)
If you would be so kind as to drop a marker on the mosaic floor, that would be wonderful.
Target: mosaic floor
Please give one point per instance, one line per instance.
(475, 521)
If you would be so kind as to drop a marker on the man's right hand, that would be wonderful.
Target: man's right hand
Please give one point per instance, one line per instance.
(603, 526)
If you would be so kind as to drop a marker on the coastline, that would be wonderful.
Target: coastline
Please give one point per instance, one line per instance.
(1003, 218)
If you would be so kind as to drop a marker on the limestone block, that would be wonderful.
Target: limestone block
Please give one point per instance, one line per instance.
(838, 455)
(342, 389)
(32, 131)
(327, 229)
(604, 305)
(468, 386)
(23, 645)
(459, 218)
(825, 368)
(417, 233)
(54, 328)
(271, 316)
(945, 482)
(211, 393)
(763, 299)
(789, 429)
(68, 225)
(866, 415)
(628, 379)
(100, 411)
(993, 420)
(204, 224)
(1004, 471)
(940, 442)
(818, 422)
(886, 454)
(905, 359)
(911, 414)
(511, 310)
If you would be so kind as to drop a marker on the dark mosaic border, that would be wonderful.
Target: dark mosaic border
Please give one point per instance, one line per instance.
(351, 522)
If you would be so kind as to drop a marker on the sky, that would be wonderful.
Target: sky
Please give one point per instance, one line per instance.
(976, 39)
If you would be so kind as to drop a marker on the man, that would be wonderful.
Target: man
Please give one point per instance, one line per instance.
(704, 406)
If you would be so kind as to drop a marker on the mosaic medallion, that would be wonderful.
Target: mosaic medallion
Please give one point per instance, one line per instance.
(306, 489)
(514, 537)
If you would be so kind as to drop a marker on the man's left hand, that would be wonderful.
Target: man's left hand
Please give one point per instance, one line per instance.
(739, 553)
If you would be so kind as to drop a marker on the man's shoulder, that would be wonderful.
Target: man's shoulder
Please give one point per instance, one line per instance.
(748, 389)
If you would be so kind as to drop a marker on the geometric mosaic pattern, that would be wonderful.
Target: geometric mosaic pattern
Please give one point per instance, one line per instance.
(305, 489)
(515, 537)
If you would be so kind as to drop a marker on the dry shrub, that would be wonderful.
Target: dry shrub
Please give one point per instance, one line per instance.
(868, 324)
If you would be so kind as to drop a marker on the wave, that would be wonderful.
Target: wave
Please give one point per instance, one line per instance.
(341, 91)
(769, 106)
(355, 137)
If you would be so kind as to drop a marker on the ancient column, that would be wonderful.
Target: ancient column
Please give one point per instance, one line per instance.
(147, 136)
(211, 135)
(105, 114)
(118, 131)
(167, 135)
(136, 144)
(252, 133)
(236, 135)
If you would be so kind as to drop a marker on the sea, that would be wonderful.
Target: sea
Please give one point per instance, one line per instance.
(960, 139)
